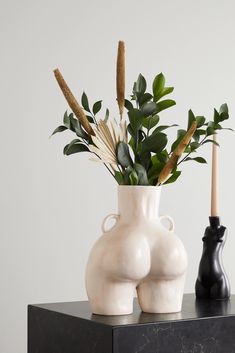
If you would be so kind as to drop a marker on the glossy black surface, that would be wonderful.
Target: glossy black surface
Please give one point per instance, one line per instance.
(191, 309)
(212, 281)
(203, 326)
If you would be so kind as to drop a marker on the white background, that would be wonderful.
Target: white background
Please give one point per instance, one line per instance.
(51, 206)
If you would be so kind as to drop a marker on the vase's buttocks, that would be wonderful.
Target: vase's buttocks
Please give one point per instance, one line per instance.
(168, 256)
(128, 256)
(122, 254)
(138, 252)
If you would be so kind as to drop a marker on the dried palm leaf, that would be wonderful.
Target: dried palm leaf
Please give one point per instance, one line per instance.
(107, 136)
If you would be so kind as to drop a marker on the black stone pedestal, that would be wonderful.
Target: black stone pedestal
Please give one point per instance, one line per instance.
(201, 327)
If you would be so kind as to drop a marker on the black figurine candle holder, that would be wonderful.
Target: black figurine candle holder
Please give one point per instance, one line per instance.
(212, 281)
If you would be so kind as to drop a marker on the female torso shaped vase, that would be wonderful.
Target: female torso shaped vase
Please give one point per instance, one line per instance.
(137, 253)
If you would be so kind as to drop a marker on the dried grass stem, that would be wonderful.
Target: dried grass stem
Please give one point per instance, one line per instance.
(176, 154)
(74, 105)
(120, 77)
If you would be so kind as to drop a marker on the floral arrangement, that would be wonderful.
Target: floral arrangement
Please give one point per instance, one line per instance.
(135, 149)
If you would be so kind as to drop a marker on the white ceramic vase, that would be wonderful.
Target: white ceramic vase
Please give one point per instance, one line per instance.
(138, 254)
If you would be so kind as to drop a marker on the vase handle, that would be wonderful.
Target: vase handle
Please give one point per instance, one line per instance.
(170, 220)
(107, 218)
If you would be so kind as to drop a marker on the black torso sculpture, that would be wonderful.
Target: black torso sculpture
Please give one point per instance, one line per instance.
(212, 281)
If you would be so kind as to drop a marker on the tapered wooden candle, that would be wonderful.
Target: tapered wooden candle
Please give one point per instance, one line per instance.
(212, 282)
(214, 179)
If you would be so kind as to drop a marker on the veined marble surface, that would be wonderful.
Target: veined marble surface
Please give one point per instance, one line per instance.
(201, 327)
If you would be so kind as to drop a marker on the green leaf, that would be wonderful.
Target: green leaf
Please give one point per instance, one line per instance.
(131, 130)
(71, 122)
(216, 116)
(187, 150)
(223, 108)
(90, 119)
(96, 107)
(198, 133)
(163, 127)
(210, 131)
(85, 103)
(66, 120)
(222, 114)
(173, 177)
(133, 177)
(194, 145)
(211, 124)
(150, 121)
(76, 126)
(106, 115)
(59, 129)
(180, 134)
(201, 131)
(227, 128)
(163, 156)
(141, 173)
(141, 85)
(136, 119)
(211, 141)
(127, 172)
(167, 103)
(133, 97)
(145, 159)
(132, 144)
(119, 177)
(200, 121)
(155, 170)
(137, 137)
(154, 159)
(223, 111)
(158, 85)
(146, 97)
(155, 143)
(75, 146)
(191, 118)
(123, 155)
(74, 141)
(128, 105)
(164, 92)
(149, 108)
(196, 159)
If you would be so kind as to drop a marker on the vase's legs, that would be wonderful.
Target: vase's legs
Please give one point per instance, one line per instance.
(110, 297)
(201, 291)
(161, 296)
(220, 290)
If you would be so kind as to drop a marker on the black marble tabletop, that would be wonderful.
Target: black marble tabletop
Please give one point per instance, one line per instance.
(191, 309)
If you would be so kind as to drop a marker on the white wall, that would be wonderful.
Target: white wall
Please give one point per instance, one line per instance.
(52, 206)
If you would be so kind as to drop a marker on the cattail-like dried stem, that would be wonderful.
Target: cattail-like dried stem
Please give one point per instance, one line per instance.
(74, 105)
(179, 150)
(120, 78)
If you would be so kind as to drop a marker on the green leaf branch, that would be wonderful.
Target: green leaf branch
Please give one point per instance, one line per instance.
(137, 150)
